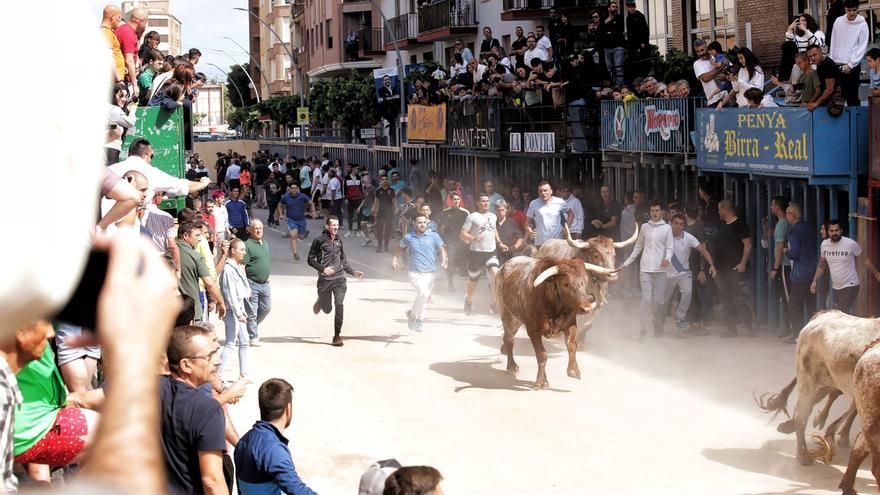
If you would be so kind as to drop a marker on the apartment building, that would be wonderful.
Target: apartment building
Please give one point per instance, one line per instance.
(270, 46)
(162, 21)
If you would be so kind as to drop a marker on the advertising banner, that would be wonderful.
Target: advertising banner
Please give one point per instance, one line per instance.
(386, 85)
(772, 141)
(426, 122)
(649, 126)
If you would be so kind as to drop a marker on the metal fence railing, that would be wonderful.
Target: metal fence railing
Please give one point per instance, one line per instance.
(509, 5)
(445, 14)
(474, 123)
(371, 40)
(402, 27)
(649, 126)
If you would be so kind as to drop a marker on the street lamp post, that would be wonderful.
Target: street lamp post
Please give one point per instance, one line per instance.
(256, 63)
(240, 96)
(286, 48)
(400, 71)
(256, 90)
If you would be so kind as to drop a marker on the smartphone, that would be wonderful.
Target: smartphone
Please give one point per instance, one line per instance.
(80, 310)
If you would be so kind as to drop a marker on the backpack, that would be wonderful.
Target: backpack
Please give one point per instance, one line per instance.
(836, 104)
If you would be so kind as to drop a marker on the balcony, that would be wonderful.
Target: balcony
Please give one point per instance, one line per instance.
(354, 6)
(370, 42)
(405, 28)
(446, 19)
(513, 10)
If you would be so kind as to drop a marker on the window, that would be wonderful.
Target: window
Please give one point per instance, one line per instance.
(157, 22)
(413, 59)
(428, 56)
(659, 16)
(329, 33)
(714, 20)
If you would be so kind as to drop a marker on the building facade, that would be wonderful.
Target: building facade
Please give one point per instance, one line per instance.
(273, 74)
(209, 107)
(162, 21)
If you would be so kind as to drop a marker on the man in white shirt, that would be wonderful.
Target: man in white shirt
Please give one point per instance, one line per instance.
(839, 255)
(233, 175)
(577, 210)
(678, 272)
(849, 42)
(543, 42)
(655, 247)
(480, 233)
(545, 215)
(706, 73)
(533, 51)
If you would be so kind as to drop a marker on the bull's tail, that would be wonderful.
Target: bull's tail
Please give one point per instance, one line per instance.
(776, 403)
(826, 447)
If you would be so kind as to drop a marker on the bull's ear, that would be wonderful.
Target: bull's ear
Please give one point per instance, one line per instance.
(553, 270)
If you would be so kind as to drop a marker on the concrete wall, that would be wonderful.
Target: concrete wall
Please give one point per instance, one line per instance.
(207, 150)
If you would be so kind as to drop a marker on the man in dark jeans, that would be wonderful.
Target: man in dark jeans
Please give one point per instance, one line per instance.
(732, 248)
(384, 211)
(803, 252)
(328, 257)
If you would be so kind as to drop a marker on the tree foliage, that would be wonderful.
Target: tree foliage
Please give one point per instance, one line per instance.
(238, 86)
(676, 65)
(344, 102)
(281, 109)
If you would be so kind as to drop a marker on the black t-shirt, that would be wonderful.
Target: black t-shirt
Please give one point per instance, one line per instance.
(697, 231)
(487, 44)
(509, 232)
(191, 422)
(518, 44)
(450, 224)
(609, 210)
(261, 174)
(728, 244)
(385, 198)
(827, 69)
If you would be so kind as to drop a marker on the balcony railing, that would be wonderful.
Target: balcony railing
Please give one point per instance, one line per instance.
(649, 126)
(447, 14)
(370, 40)
(402, 27)
(510, 5)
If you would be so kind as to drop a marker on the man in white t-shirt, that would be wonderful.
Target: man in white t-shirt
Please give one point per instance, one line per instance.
(545, 215)
(839, 255)
(544, 43)
(678, 272)
(533, 51)
(481, 236)
(706, 72)
(577, 210)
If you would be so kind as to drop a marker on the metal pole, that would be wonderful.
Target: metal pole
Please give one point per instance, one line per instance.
(302, 97)
(256, 91)
(230, 80)
(249, 56)
(400, 72)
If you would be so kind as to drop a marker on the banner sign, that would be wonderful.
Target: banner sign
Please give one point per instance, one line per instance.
(475, 124)
(662, 122)
(539, 142)
(426, 122)
(515, 140)
(763, 141)
(648, 126)
(475, 138)
(385, 80)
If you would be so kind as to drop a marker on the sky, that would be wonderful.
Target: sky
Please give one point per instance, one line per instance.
(205, 23)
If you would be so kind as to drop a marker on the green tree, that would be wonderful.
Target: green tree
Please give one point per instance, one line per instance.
(344, 102)
(238, 86)
(281, 109)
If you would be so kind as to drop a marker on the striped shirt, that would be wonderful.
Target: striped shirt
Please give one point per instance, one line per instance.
(10, 399)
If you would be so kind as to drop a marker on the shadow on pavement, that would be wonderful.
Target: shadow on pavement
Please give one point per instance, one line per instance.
(481, 374)
(770, 461)
(380, 300)
(385, 339)
(522, 346)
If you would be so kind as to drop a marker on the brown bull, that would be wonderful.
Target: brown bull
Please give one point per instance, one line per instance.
(828, 349)
(599, 250)
(866, 394)
(546, 295)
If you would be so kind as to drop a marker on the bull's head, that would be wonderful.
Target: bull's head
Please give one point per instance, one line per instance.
(577, 283)
(600, 250)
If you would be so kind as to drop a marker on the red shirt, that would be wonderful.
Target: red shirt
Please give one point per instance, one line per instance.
(128, 43)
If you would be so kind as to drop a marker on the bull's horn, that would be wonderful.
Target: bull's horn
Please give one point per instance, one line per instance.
(573, 242)
(553, 270)
(630, 241)
(600, 269)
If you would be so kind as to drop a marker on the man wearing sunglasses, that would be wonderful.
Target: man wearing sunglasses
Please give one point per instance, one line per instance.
(849, 42)
(192, 422)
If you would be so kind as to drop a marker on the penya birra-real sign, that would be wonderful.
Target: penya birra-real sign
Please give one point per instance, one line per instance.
(774, 141)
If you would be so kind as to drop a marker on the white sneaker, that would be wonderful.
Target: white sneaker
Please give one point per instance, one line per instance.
(360, 233)
(347, 234)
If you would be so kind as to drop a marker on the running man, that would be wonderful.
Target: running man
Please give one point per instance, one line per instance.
(679, 275)
(294, 204)
(480, 234)
(451, 220)
(423, 246)
(328, 258)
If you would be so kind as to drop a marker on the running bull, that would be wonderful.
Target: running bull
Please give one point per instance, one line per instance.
(546, 295)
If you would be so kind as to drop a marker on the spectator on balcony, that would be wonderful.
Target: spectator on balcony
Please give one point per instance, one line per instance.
(488, 42)
(542, 80)
(614, 42)
(706, 72)
(518, 46)
(544, 43)
(806, 89)
(757, 99)
(804, 31)
(109, 22)
(121, 118)
(458, 66)
(533, 51)
(501, 56)
(684, 88)
(464, 51)
(873, 56)
(647, 88)
(128, 34)
(153, 62)
(848, 46)
(637, 37)
(564, 36)
(829, 77)
(591, 38)
(750, 76)
(351, 45)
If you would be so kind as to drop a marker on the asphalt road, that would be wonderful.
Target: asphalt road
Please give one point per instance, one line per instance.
(666, 416)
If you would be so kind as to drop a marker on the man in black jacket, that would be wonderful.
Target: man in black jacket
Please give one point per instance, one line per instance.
(328, 257)
(637, 36)
(613, 41)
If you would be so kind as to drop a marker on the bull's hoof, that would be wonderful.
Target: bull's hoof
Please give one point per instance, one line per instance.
(574, 373)
(513, 368)
(540, 385)
(786, 427)
(805, 459)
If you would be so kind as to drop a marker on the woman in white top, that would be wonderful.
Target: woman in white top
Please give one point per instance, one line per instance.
(120, 119)
(804, 31)
(235, 289)
(749, 76)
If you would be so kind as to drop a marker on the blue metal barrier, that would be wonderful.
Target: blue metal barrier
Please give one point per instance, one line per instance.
(649, 126)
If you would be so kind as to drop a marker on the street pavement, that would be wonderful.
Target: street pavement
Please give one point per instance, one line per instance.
(666, 416)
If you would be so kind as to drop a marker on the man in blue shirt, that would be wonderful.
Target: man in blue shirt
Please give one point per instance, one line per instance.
(236, 212)
(803, 252)
(262, 459)
(294, 203)
(423, 247)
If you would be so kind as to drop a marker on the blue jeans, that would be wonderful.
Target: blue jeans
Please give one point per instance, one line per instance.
(234, 329)
(257, 307)
(614, 63)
